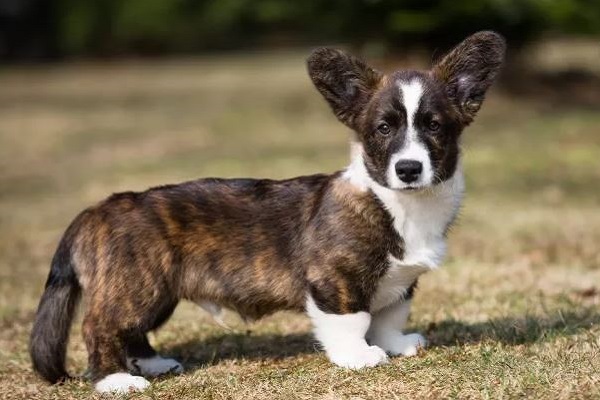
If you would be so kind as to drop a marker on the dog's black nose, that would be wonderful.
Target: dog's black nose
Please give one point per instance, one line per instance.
(409, 170)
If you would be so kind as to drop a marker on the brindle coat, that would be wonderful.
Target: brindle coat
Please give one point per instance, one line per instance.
(254, 246)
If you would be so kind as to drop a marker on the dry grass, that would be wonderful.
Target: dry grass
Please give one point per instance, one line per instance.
(515, 312)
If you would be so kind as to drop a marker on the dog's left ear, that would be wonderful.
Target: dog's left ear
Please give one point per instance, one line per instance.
(346, 82)
(469, 70)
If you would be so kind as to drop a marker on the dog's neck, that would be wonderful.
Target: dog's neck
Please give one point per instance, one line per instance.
(422, 217)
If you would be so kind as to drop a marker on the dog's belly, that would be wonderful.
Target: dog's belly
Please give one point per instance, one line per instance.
(245, 289)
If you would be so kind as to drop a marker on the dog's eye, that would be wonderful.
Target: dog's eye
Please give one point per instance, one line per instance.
(384, 129)
(433, 126)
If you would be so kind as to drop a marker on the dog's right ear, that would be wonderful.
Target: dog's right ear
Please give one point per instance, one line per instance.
(346, 82)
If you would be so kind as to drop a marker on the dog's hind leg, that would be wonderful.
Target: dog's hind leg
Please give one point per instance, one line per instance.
(107, 360)
(142, 358)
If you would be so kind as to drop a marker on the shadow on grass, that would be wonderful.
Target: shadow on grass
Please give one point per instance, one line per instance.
(512, 331)
(211, 351)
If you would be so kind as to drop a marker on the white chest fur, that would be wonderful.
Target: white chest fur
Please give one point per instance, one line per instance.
(420, 218)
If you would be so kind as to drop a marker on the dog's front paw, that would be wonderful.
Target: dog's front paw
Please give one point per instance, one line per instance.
(409, 344)
(357, 358)
(395, 343)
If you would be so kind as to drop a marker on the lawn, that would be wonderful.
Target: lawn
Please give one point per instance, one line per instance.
(514, 311)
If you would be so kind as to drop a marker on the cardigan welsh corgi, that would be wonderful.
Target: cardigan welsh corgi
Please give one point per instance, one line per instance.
(347, 248)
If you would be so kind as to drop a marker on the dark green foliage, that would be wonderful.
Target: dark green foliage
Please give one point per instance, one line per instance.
(109, 27)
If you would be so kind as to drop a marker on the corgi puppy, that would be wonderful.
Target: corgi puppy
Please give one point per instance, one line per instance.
(346, 248)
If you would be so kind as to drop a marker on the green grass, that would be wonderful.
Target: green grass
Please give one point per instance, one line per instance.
(514, 312)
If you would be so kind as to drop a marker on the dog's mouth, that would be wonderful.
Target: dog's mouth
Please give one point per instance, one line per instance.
(418, 187)
(411, 188)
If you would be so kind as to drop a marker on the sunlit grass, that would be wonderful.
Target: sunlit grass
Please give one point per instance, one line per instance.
(514, 312)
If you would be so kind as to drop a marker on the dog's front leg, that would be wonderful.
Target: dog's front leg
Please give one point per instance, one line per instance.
(343, 337)
(386, 330)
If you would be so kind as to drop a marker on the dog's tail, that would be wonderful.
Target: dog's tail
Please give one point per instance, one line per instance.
(50, 333)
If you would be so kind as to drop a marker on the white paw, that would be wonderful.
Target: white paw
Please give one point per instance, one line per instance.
(121, 382)
(357, 358)
(154, 366)
(411, 344)
(396, 343)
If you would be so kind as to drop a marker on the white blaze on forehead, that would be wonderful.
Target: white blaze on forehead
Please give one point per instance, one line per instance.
(411, 97)
(413, 148)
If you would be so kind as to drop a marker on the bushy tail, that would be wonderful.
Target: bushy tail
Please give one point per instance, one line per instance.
(50, 333)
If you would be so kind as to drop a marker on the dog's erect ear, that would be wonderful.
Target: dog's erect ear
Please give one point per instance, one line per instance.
(346, 82)
(469, 70)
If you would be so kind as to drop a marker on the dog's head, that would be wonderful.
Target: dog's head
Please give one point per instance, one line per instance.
(409, 122)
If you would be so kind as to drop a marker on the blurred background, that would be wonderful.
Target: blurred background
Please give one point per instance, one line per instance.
(59, 29)
(101, 96)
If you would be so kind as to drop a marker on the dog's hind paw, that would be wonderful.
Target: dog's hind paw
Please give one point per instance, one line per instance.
(154, 366)
(121, 383)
